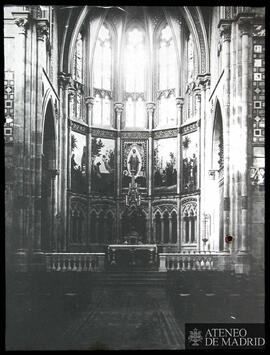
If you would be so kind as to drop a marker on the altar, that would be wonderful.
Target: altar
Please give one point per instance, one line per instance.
(132, 257)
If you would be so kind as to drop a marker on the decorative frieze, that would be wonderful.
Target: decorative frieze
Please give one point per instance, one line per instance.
(134, 135)
(78, 127)
(225, 30)
(22, 23)
(64, 80)
(189, 128)
(103, 93)
(103, 133)
(245, 25)
(258, 83)
(164, 202)
(42, 29)
(9, 106)
(165, 133)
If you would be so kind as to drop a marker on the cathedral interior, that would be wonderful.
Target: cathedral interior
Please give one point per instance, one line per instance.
(134, 173)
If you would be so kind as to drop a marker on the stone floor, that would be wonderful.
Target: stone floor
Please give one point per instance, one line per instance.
(122, 318)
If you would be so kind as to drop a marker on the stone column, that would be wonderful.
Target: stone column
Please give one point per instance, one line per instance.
(234, 132)
(170, 229)
(21, 20)
(89, 101)
(150, 106)
(97, 229)
(245, 28)
(179, 106)
(42, 32)
(190, 229)
(225, 30)
(64, 83)
(162, 230)
(150, 114)
(184, 230)
(54, 173)
(205, 86)
(154, 230)
(198, 117)
(196, 237)
(198, 114)
(119, 107)
(71, 95)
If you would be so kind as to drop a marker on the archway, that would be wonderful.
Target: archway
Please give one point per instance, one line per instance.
(218, 167)
(48, 182)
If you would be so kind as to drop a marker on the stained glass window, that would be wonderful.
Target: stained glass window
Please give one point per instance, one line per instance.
(190, 50)
(134, 66)
(167, 78)
(102, 74)
(77, 62)
(102, 68)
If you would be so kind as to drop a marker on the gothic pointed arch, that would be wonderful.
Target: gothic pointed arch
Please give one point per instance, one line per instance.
(48, 180)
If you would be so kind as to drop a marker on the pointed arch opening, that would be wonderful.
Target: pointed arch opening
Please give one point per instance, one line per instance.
(48, 181)
(218, 166)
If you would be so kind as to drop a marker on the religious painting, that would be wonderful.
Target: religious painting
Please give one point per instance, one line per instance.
(165, 171)
(78, 162)
(190, 162)
(103, 165)
(134, 163)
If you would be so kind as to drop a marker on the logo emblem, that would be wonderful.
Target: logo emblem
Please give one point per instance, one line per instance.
(195, 336)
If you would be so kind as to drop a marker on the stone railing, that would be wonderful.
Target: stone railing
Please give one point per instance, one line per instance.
(93, 262)
(194, 261)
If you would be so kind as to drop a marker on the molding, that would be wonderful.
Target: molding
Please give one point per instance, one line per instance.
(103, 133)
(134, 135)
(78, 127)
(189, 127)
(50, 83)
(165, 133)
(216, 85)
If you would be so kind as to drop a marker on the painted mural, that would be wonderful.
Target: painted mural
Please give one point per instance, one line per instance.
(78, 162)
(190, 162)
(134, 163)
(103, 165)
(165, 173)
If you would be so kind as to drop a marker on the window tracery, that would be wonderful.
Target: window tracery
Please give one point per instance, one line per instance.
(167, 78)
(78, 78)
(102, 74)
(134, 71)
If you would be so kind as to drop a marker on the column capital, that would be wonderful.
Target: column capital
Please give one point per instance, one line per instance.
(150, 106)
(203, 80)
(225, 29)
(179, 102)
(119, 107)
(198, 93)
(245, 24)
(42, 28)
(21, 19)
(71, 92)
(64, 79)
(89, 100)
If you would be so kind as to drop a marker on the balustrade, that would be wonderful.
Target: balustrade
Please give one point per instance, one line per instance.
(94, 262)
(194, 261)
(75, 262)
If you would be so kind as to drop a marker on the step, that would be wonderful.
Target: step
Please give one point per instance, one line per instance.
(129, 278)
